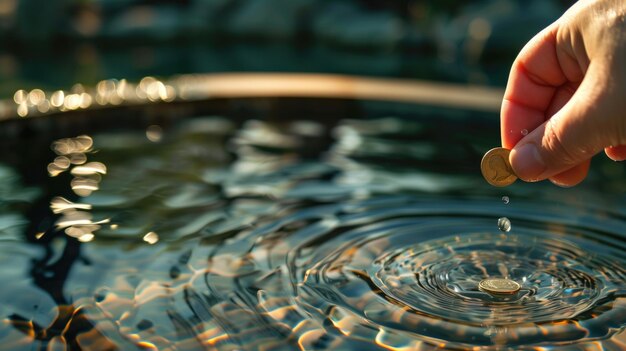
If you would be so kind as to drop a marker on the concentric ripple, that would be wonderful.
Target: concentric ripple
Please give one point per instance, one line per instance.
(417, 278)
(441, 277)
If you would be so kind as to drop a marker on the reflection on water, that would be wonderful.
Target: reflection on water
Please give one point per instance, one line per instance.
(75, 218)
(363, 234)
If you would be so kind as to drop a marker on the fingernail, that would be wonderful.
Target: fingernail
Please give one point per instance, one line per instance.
(559, 184)
(527, 162)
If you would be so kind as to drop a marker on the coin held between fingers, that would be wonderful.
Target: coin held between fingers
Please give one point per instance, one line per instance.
(496, 168)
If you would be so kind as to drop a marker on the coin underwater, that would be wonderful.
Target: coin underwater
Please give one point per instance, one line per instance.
(498, 286)
(496, 168)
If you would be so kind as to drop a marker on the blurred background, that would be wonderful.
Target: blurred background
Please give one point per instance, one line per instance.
(55, 44)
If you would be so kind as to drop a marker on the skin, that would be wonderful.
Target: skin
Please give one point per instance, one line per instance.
(567, 89)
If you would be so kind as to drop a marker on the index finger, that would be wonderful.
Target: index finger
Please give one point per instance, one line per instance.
(535, 76)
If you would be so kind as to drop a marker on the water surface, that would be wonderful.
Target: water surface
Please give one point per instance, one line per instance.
(368, 234)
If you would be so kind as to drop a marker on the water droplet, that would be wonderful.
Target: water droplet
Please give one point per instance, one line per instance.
(524, 132)
(154, 133)
(505, 199)
(504, 224)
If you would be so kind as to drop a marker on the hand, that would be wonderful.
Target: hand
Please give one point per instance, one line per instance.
(567, 89)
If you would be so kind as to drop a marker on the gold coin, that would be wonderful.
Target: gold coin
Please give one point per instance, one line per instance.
(496, 168)
(499, 286)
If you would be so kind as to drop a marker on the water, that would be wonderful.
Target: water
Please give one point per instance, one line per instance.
(504, 224)
(353, 234)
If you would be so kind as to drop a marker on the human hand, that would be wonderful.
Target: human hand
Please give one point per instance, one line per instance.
(567, 90)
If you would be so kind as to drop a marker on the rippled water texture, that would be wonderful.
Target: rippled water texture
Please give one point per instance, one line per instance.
(358, 234)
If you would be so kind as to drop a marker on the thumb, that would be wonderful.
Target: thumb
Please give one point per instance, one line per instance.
(585, 125)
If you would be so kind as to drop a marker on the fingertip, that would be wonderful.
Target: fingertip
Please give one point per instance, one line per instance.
(616, 153)
(572, 176)
(527, 163)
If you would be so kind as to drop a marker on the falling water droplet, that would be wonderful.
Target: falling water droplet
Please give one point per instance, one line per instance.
(504, 224)
(154, 133)
(524, 132)
(505, 199)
